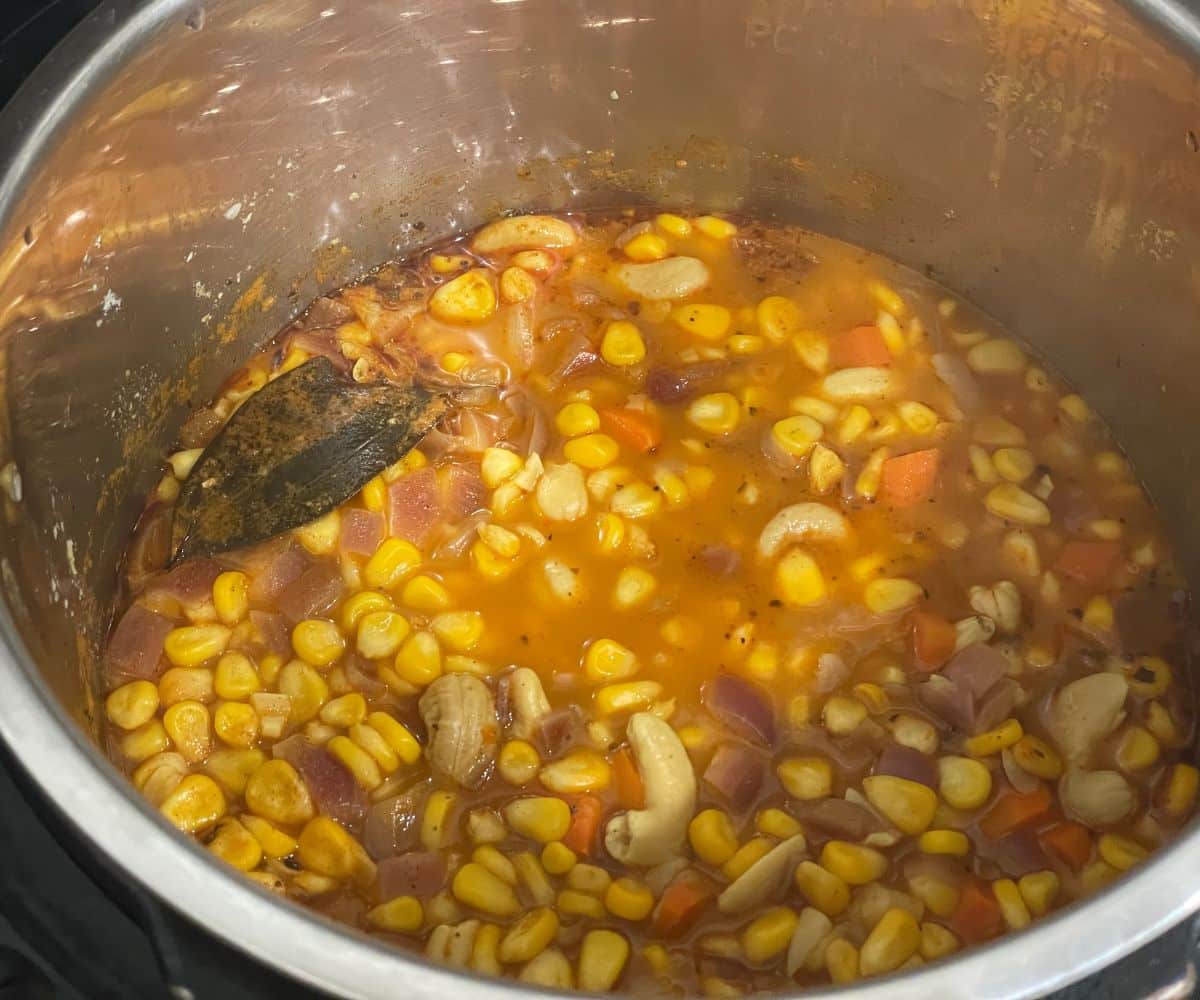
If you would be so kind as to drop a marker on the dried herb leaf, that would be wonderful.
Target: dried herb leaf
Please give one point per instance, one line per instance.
(297, 448)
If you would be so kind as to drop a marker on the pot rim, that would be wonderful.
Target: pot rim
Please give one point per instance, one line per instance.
(86, 790)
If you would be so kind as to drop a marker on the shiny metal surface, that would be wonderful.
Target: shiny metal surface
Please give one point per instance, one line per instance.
(181, 176)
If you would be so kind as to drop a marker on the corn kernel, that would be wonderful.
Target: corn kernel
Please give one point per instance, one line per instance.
(516, 285)
(607, 660)
(357, 606)
(305, 687)
(745, 343)
(673, 225)
(917, 417)
(185, 684)
(672, 486)
(529, 936)
(768, 934)
(592, 451)
(628, 899)
(964, 783)
(324, 847)
(646, 247)
(1137, 750)
(706, 321)
(841, 716)
(713, 837)
(908, 804)
(854, 864)
(437, 831)
(854, 423)
(1074, 408)
(419, 661)
(891, 943)
(344, 711)
(828, 892)
(195, 804)
(374, 494)
(636, 501)
(318, 642)
(602, 958)
(1037, 757)
(236, 724)
(1039, 890)
(380, 633)
(777, 823)
(391, 563)
(716, 413)
(235, 845)
(622, 344)
(633, 696)
(574, 903)
(489, 565)
(192, 645)
(806, 777)
(573, 420)
(1011, 503)
(1012, 905)
(1098, 613)
(1158, 720)
(499, 465)
(714, 227)
(356, 760)
(187, 723)
(952, 842)
(889, 596)
(796, 435)
(578, 772)
(841, 961)
(558, 858)
(799, 581)
(468, 298)
(992, 742)
(1120, 852)
(425, 593)
(869, 477)
(458, 630)
(401, 915)
(634, 587)
(777, 318)
(751, 852)
(541, 818)
(132, 705)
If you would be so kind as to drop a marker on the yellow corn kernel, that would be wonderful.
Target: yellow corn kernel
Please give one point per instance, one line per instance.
(436, 828)
(1039, 890)
(658, 958)
(796, 435)
(516, 285)
(854, 864)
(745, 343)
(869, 477)
(459, 630)
(890, 595)
(762, 662)
(402, 915)
(132, 705)
(490, 565)
(607, 660)
(964, 783)
(529, 936)
(574, 420)
(235, 677)
(1074, 408)
(356, 760)
(982, 466)
(714, 227)
(940, 897)
(632, 696)
(992, 742)
(628, 899)
(1158, 720)
(185, 684)
(195, 804)
(319, 537)
(374, 494)
(952, 842)
(908, 804)
(768, 934)
(841, 961)
(1120, 852)
(828, 892)
(1012, 906)
(231, 599)
(634, 587)
(672, 486)
(505, 543)
(469, 298)
(499, 465)
(391, 563)
(917, 417)
(1137, 750)
(358, 606)
(324, 847)
(854, 423)
(673, 225)
(1150, 677)
(518, 762)
(602, 958)
(646, 247)
(425, 593)
(622, 344)
(891, 943)
(558, 858)
(182, 462)
(187, 723)
(872, 696)
(799, 581)
(713, 837)
(494, 861)
(937, 941)
(236, 724)
(442, 263)
(273, 841)
(235, 845)
(1014, 464)
(419, 661)
(590, 879)
(574, 903)
(716, 413)
(841, 715)
(305, 687)
(610, 532)
(1011, 503)
(157, 776)
(1037, 757)
(776, 823)
(345, 710)
(578, 772)
(380, 633)
(592, 451)
(318, 642)
(636, 501)
(749, 853)
(369, 739)
(454, 361)
(192, 645)
(1098, 613)
(294, 358)
(806, 777)
(706, 321)
(540, 818)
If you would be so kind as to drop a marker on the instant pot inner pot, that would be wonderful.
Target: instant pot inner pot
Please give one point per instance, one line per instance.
(184, 177)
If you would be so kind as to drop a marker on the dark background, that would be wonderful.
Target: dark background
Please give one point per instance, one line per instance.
(62, 935)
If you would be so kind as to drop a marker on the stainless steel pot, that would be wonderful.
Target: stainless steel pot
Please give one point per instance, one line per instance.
(181, 175)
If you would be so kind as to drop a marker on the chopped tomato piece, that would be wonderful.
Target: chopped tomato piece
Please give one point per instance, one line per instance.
(861, 347)
(934, 638)
(910, 479)
(636, 429)
(586, 814)
(1071, 843)
(1014, 810)
(977, 916)
(631, 794)
(1089, 563)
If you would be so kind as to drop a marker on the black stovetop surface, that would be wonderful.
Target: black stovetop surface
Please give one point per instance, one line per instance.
(71, 931)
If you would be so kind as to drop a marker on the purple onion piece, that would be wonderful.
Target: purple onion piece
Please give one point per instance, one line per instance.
(904, 762)
(742, 707)
(735, 773)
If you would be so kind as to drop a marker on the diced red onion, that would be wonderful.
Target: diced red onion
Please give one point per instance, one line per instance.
(136, 646)
(953, 371)
(361, 531)
(417, 873)
(735, 773)
(333, 788)
(675, 385)
(312, 593)
(720, 560)
(998, 704)
(905, 762)
(1015, 854)
(271, 631)
(838, 818)
(976, 669)
(558, 731)
(414, 505)
(271, 566)
(741, 706)
(950, 702)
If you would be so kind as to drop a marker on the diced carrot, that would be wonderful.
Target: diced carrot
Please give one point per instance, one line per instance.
(631, 794)
(1071, 843)
(861, 347)
(586, 813)
(909, 479)
(1014, 810)
(682, 902)
(1089, 563)
(934, 638)
(977, 916)
(637, 429)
